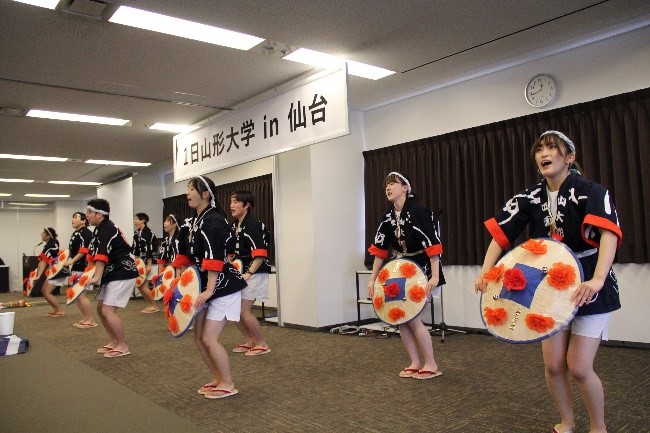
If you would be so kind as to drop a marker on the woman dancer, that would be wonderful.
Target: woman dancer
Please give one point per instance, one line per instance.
(143, 246)
(46, 257)
(115, 273)
(407, 229)
(220, 300)
(79, 243)
(580, 213)
(249, 242)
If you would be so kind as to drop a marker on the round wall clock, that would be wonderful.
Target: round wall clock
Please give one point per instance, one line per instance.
(540, 90)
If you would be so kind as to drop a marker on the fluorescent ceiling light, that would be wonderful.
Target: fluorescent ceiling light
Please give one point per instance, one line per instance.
(367, 71)
(4, 194)
(314, 58)
(107, 162)
(76, 117)
(27, 204)
(17, 180)
(71, 182)
(138, 18)
(47, 195)
(32, 158)
(171, 127)
(50, 4)
(322, 60)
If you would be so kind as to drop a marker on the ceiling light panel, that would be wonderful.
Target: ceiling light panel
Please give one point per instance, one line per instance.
(76, 117)
(107, 162)
(146, 20)
(171, 127)
(4, 194)
(72, 182)
(323, 60)
(17, 180)
(48, 195)
(32, 158)
(49, 4)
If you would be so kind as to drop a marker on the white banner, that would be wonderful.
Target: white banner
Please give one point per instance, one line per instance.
(313, 112)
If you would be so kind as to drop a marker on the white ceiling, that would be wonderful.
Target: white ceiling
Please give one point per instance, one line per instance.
(59, 61)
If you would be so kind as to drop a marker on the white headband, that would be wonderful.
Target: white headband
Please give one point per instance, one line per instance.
(569, 143)
(171, 215)
(49, 232)
(213, 202)
(406, 181)
(92, 209)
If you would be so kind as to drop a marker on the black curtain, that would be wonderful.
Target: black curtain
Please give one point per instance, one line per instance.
(261, 188)
(469, 174)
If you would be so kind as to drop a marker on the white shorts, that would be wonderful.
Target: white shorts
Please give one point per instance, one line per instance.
(594, 326)
(61, 281)
(258, 287)
(228, 307)
(116, 293)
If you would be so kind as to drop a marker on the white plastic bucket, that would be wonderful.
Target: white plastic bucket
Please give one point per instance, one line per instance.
(7, 323)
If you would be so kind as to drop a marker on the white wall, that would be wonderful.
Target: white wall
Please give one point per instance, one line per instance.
(63, 211)
(21, 232)
(147, 198)
(613, 66)
(120, 197)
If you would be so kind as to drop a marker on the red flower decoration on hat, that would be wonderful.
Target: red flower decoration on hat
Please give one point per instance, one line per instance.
(167, 311)
(47, 271)
(186, 278)
(73, 279)
(169, 275)
(535, 246)
(495, 316)
(32, 273)
(236, 265)
(407, 269)
(83, 279)
(61, 256)
(561, 276)
(162, 288)
(138, 262)
(173, 324)
(168, 296)
(141, 271)
(394, 314)
(493, 274)
(514, 279)
(69, 293)
(383, 275)
(186, 303)
(378, 302)
(152, 292)
(391, 290)
(539, 323)
(417, 294)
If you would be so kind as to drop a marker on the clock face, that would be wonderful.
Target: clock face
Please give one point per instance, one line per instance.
(540, 90)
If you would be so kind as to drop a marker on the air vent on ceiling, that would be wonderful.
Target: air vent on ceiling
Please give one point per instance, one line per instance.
(87, 8)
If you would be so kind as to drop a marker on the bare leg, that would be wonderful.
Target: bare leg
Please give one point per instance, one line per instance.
(580, 359)
(554, 350)
(199, 324)
(216, 352)
(86, 310)
(47, 294)
(113, 325)
(423, 339)
(410, 344)
(250, 327)
(146, 295)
